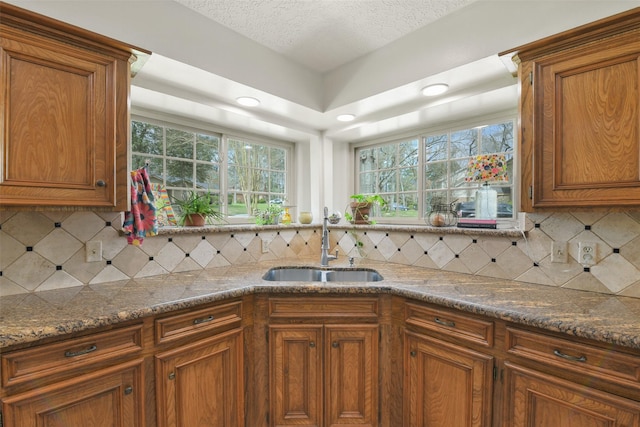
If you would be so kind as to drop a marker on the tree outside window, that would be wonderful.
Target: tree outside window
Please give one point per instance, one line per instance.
(185, 160)
(417, 173)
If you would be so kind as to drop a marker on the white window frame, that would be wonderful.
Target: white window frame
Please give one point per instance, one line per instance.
(421, 134)
(224, 135)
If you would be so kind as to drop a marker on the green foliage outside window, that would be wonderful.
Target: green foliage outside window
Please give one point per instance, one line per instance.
(187, 160)
(412, 174)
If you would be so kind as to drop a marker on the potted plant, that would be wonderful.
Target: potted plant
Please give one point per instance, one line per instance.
(195, 208)
(361, 207)
(269, 215)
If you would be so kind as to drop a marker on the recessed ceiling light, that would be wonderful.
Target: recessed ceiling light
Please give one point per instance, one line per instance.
(346, 117)
(247, 101)
(435, 89)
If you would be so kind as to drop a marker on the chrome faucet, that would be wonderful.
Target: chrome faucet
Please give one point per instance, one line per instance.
(325, 257)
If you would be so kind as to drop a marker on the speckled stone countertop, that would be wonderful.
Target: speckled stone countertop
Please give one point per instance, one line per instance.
(28, 318)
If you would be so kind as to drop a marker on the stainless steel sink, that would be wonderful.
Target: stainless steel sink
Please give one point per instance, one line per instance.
(313, 274)
(353, 275)
(285, 274)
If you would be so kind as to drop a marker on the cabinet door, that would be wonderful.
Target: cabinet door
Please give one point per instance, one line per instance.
(534, 399)
(62, 137)
(201, 384)
(446, 384)
(580, 124)
(296, 375)
(106, 398)
(351, 364)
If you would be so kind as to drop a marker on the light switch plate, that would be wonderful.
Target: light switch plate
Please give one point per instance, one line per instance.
(559, 252)
(93, 251)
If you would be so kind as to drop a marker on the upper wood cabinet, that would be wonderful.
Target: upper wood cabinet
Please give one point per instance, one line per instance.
(64, 113)
(580, 116)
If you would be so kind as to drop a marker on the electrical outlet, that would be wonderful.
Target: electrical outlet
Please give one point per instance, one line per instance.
(587, 253)
(93, 251)
(265, 246)
(559, 253)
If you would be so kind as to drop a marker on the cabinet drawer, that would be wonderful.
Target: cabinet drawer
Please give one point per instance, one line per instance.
(69, 356)
(577, 357)
(323, 307)
(450, 323)
(194, 322)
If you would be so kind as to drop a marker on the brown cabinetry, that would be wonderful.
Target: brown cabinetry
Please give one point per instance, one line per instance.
(65, 113)
(580, 116)
(534, 399)
(551, 381)
(202, 383)
(199, 367)
(323, 372)
(104, 398)
(95, 380)
(447, 383)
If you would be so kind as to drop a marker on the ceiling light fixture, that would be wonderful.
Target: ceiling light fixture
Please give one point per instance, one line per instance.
(435, 89)
(346, 117)
(247, 101)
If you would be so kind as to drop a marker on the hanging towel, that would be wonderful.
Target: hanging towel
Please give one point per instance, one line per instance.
(141, 221)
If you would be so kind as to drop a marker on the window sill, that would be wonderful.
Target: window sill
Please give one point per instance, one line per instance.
(505, 232)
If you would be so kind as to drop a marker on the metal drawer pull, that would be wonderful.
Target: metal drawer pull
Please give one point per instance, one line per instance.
(335, 344)
(448, 323)
(101, 183)
(569, 357)
(172, 375)
(128, 390)
(87, 350)
(312, 344)
(203, 320)
(413, 353)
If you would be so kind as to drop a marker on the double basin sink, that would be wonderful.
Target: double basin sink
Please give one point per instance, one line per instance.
(315, 274)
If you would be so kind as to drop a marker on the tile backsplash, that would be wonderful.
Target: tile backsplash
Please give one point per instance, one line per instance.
(46, 250)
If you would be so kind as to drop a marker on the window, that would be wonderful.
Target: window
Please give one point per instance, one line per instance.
(415, 174)
(253, 175)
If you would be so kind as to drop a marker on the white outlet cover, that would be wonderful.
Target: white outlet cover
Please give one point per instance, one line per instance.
(587, 253)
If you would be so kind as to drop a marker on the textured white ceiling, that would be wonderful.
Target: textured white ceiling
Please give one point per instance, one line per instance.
(324, 34)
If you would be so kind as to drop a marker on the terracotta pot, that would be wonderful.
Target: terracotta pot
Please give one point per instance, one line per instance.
(194, 220)
(360, 212)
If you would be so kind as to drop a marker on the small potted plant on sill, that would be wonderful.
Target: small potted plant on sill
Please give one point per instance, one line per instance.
(196, 208)
(269, 215)
(361, 207)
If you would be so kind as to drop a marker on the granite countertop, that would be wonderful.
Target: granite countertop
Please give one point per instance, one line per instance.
(31, 317)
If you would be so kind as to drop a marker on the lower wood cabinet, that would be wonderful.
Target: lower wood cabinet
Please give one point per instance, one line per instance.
(536, 399)
(446, 384)
(324, 375)
(320, 361)
(104, 398)
(201, 383)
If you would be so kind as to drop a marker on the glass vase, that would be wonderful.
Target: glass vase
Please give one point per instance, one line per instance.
(486, 202)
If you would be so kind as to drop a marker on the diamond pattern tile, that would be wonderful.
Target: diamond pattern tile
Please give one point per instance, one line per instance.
(58, 246)
(29, 271)
(28, 227)
(26, 271)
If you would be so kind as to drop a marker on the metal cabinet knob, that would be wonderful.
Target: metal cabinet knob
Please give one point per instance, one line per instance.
(101, 183)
